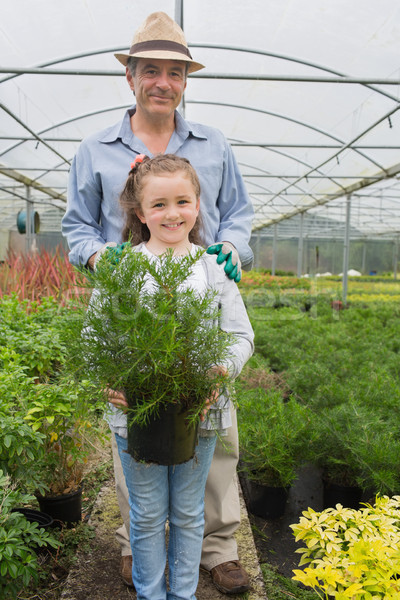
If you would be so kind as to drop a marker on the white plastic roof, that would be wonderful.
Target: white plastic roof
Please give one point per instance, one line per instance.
(300, 142)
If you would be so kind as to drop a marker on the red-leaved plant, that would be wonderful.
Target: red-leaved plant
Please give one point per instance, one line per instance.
(33, 276)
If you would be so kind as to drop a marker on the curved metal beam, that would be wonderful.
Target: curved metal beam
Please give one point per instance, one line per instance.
(290, 119)
(345, 147)
(29, 182)
(214, 47)
(61, 123)
(36, 136)
(385, 174)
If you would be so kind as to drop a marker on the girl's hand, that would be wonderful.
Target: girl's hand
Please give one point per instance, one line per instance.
(216, 370)
(117, 399)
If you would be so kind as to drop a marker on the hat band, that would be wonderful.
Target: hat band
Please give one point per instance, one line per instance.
(160, 45)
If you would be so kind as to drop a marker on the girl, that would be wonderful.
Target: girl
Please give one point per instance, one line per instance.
(161, 201)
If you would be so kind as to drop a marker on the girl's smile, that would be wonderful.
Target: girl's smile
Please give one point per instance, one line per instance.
(169, 207)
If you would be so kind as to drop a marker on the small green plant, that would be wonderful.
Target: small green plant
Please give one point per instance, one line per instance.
(20, 450)
(34, 330)
(274, 435)
(63, 412)
(356, 446)
(18, 541)
(278, 587)
(20, 447)
(351, 554)
(154, 340)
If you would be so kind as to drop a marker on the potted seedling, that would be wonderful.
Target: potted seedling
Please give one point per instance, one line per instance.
(20, 540)
(63, 413)
(156, 340)
(274, 435)
(45, 423)
(354, 447)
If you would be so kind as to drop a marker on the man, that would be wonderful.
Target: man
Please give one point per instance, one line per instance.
(157, 65)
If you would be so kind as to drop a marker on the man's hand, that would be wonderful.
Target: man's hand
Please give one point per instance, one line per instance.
(226, 252)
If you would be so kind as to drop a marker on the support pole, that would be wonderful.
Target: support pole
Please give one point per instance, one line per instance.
(179, 12)
(300, 247)
(346, 248)
(257, 250)
(364, 258)
(395, 256)
(29, 225)
(274, 249)
(179, 20)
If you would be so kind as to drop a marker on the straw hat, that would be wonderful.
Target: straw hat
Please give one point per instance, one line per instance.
(160, 37)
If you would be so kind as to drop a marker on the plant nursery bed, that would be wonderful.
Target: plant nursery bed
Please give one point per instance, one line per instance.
(274, 538)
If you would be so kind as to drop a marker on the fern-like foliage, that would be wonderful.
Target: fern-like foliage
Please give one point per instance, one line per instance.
(152, 336)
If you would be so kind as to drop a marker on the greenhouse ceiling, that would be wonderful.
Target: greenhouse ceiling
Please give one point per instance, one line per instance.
(307, 93)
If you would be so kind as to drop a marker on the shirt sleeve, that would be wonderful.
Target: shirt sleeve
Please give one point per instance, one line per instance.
(234, 319)
(81, 222)
(236, 210)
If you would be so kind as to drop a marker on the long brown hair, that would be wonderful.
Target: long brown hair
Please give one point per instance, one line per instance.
(131, 196)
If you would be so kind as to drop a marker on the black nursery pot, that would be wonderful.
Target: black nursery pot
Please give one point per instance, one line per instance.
(64, 508)
(166, 439)
(266, 501)
(347, 496)
(36, 516)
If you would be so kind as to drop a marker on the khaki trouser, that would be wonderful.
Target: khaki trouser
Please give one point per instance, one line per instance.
(222, 508)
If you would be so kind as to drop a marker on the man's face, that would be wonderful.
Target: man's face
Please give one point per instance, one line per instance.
(158, 85)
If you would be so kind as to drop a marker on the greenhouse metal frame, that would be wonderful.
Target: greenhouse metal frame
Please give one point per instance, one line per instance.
(311, 137)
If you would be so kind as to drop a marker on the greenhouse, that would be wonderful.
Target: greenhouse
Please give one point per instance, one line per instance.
(307, 96)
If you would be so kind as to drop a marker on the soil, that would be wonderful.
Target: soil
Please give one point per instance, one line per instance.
(274, 538)
(96, 572)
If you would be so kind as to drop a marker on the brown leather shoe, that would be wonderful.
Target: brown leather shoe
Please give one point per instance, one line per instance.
(126, 570)
(230, 578)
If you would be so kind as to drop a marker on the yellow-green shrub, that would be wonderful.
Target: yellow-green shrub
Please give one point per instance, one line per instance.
(351, 554)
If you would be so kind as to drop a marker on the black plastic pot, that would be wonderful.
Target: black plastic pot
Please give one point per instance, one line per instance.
(165, 440)
(43, 520)
(35, 516)
(266, 501)
(64, 508)
(347, 496)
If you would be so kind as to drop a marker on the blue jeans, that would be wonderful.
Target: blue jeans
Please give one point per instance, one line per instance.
(159, 493)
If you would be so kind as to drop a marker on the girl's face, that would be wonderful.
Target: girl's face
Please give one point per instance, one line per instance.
(169, 207)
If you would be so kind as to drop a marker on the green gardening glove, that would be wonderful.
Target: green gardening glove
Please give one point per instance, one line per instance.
(226, 252)
(114, 253)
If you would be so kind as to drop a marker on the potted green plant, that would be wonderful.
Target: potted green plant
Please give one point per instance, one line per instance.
(357, 449)
(274, 436)
(63, 413)
(19, 541)
(158, 343)
(351, 553)
(46, 422)
(20, 447)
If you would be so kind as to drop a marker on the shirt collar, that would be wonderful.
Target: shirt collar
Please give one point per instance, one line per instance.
(185, 128)
(122, 130)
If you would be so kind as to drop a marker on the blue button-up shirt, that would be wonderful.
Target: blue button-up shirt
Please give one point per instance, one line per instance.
(101, 166)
